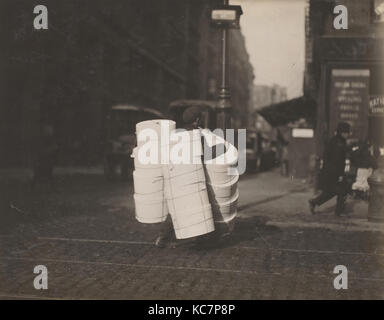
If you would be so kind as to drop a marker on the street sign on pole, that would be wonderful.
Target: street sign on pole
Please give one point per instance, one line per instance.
(225, 17)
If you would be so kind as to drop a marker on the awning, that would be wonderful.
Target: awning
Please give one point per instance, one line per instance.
(288, 111)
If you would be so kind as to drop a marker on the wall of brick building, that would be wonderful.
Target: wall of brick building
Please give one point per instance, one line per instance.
(96, 54)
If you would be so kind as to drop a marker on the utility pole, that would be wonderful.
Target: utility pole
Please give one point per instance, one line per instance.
(225, 17)
(223, 115)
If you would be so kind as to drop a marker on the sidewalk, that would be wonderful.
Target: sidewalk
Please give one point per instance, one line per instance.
(283, 202)
(93, 247)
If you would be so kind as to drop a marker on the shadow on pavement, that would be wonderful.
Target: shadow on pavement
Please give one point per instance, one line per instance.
(269, 199)
(76, 194)
(246, 230)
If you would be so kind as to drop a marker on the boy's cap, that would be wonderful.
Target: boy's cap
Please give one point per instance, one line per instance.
(191, 114)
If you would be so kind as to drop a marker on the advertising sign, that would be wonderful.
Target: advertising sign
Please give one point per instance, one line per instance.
(349, 101)
(376, 105)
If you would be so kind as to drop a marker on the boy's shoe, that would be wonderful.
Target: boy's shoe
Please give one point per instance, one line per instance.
(185, 243)
(161, 241)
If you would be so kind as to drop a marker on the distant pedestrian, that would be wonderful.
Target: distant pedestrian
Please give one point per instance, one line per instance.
(362, 162)
(46, 157)
(284, 165)
(332, 176)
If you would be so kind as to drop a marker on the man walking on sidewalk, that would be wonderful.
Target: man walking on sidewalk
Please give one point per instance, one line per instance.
(332, 175)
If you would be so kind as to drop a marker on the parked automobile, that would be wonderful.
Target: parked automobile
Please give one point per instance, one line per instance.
(253, 148)
(260, 152)
(120, 138)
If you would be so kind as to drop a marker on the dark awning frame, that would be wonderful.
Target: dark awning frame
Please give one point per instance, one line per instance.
(289, 111)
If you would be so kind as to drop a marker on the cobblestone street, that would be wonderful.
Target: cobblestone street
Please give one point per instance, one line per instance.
(215, 111)
(87, 237)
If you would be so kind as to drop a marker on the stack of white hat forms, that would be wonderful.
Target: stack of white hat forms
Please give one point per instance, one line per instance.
(222, 183)
(172, 186)
(150, 203)
(186, 190)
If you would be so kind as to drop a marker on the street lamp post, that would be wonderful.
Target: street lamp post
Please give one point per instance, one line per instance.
(225, 17)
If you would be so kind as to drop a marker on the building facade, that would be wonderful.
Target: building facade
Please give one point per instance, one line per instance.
(96, 54)
(345, 69)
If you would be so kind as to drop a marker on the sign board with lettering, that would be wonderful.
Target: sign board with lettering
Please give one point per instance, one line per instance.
(376, 119)
(376, 105)
(349, 101)
(302, 133)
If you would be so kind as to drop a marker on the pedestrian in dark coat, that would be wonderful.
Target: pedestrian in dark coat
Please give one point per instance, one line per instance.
(332, 179)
